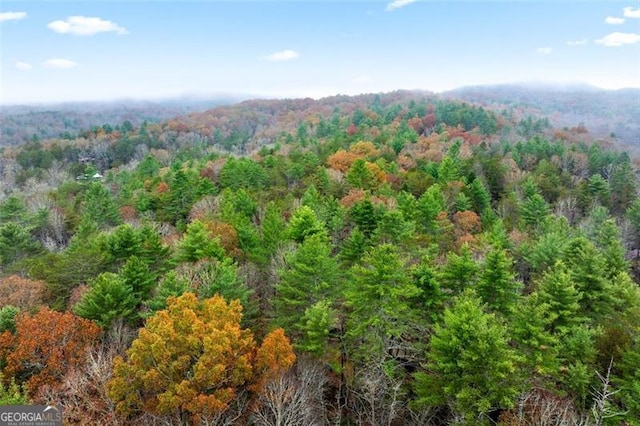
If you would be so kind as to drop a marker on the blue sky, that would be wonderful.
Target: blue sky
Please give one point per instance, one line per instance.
(52, 51)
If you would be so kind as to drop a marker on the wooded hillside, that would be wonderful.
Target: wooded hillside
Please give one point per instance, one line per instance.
(380, 259)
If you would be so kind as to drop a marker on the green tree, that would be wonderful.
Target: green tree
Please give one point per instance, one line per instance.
(359, 175)
(273, 229)
(497, 286)
(380, 296)
(303, 224)
(557, 290)
(353, 247)
(136, 274)
(427, 208)
(13, 393)
(317, 322)
(364, 215)
(588, 268)
(471, 367)
(16, 243)
(109, 298)
(480, 196)
(534, 211)
(531, 330)
(100, 208)
(8, 318)
(197, 243)
(169, 286)
(311, 275)
(460, 271)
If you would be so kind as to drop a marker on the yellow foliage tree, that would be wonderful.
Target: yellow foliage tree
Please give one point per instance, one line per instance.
(192, 359)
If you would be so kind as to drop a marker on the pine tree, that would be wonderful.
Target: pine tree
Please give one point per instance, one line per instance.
(109, 298)
(530, 328)
(303, 224)
(353, 247)
(427, 208)
(534, 211)
(99, 207)
(480, 197)
(497, 286)
(471, 367)
(558, 292)
(460, 271)
(312, 275)
(365, 216)
(588, 272)
(317, 322)
(169, 285)
(380, 296)
(136, 274)
(609, 242)
(273, 228)
(197, 244)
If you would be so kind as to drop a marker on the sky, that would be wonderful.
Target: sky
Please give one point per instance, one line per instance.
(59, 51)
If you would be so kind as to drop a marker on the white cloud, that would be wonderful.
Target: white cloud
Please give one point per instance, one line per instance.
(619, 39)
(12, 16)
(630, 12)
(60, 63)
(574, 43)
(23, 66)
(614, 21)
(284, 55)
(397, 4)
(544, 50)
(85, 25)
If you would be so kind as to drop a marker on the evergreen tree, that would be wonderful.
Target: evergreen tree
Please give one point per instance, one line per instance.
(463, 203)
(380, 296)
(170, 285)
(221, 277)
(609, 242)
(122, 243)
(136, 274)
(428, 206)
(197, 244)
(479, 195)
(317, 322)
(530, 327)
(557, 291)
(273, 228)
(364, 215)
(460, 271)
(359, 175)
(393, 229)
(353, 247)
(312, 275)
(534, 211)
(627, 381)
(497, 286)
(109, 298)
(303, 224)
(16, 243)
(588, 272)
(624, 186)
(448, 170)
(100, 208)
(471, 367)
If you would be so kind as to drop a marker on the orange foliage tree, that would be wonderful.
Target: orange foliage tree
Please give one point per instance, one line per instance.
(46, 346)
(192, 359)
(20, 292)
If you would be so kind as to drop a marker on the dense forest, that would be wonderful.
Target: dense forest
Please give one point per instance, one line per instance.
(392, 259)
